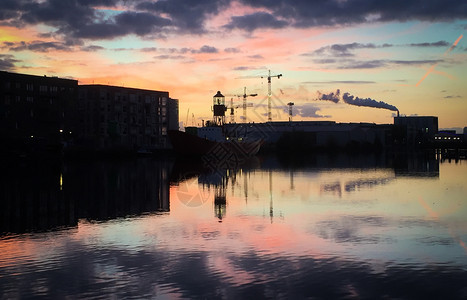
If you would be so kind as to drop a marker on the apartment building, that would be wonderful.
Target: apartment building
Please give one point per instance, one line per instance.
(114, 117)
(36, 112)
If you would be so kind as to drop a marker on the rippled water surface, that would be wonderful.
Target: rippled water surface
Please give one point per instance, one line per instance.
(322, 227)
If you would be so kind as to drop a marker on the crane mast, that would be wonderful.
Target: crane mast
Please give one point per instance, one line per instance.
(270, 93)
(244, 103)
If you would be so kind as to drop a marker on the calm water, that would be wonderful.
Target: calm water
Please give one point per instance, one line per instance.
(322, 227)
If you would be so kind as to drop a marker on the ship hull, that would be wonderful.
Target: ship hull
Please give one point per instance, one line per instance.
(188, 144)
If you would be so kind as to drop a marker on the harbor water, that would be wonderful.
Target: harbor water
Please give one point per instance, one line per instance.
(322, 227)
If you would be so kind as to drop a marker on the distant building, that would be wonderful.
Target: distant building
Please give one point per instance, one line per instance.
(314, 134)
(448, 138)
(419, 130)
(115, 117)
(37, 113)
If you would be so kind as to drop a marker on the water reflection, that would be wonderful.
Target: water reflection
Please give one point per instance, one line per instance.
(51, 194)
(383, 226)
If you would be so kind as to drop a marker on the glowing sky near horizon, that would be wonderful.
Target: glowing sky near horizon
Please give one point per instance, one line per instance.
(411, 55)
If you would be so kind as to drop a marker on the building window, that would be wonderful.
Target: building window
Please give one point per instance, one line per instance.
(43, 88)
(7, 100)
(18, 98)
(7, 85)
(29, 87)
(30, 99)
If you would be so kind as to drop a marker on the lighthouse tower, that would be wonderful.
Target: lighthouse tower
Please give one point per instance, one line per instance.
(219, 108)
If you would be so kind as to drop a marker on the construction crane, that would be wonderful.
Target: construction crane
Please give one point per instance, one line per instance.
(244, 105)
(290, 104)
(232, 107)
(187, 114)
(270, 93)
(269, 90)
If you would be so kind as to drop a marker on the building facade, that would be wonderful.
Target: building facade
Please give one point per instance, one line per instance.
(37, 113)
(119, 118)
(419, 130)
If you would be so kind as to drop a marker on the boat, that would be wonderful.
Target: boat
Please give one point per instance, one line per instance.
(211, 140)
(186, 143)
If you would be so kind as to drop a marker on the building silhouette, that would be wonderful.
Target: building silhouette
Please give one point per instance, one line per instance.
(37, 113)
(41, 114)
(115, 117)
(418, 130)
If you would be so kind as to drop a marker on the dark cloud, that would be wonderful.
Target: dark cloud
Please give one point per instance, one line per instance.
(186, 16)
(368, 64)
(452, 97)
(325, 61)
(343, 50)
(415, 62)
(39, 46)
(81, 19)
(340, 82)
(7, 62)
(169, 57)
(232, 50)
(242, 68)
(92, 48)
(257, 56)
(148, 49)
(304, 14)
(139, 23)
(308, 110)
(206, 49)
(435, 44)
(8, 44)
(346, 63)
(372, 64)
(255, 21)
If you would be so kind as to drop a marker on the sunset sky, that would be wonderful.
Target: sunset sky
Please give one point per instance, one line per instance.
(405, 55)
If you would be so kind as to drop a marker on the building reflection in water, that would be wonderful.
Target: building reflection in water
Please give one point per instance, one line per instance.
(32, 198)
(52, 194)
(385, 169)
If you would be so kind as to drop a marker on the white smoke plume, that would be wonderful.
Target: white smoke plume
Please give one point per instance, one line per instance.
(368, 102)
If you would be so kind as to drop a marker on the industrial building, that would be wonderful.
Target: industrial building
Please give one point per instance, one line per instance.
(314, 134)
(419, 130)
(37, 113)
